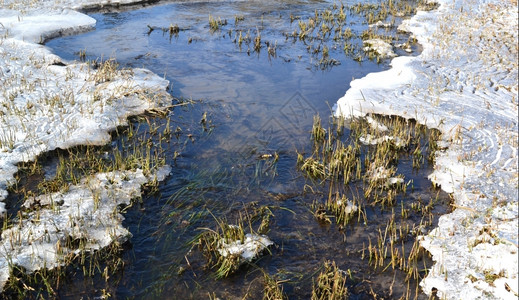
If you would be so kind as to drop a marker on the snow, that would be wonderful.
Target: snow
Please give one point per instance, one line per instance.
(88, 211)
(376, 125)
(381, 47)
(47, 104)
(252, 246)
(38, 26)
(382, 174)
(369, 139)
(381, 25)
(464, 83)
(348, 206)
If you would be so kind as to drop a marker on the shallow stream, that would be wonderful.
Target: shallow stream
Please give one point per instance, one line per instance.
(235, 149)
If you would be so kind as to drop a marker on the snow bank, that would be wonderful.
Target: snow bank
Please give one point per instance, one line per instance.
(46, 104)
(87, 212)
(465, 84)
(38, 26)
(24, 6)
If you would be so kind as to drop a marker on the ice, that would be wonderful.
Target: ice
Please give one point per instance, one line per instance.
(369, 139)
(384, 175)
(41, 25)
(378, 126)
(395, 180)
(381, 25)
(349, 206)
(464, 83)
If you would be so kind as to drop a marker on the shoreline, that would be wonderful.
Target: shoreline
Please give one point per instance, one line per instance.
(94, 103)
(46, 104)
(464, 83)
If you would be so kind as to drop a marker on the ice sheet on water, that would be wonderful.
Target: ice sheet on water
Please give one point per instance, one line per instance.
(379, 46)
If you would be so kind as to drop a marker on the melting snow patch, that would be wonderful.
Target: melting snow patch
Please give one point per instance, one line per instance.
(395, 180)
(88, 211)
(39, 26)
(382, 48)
(376, 124)
(381, 24)
(369, 139)
(382, 174)
(251, 247)
(349, 206)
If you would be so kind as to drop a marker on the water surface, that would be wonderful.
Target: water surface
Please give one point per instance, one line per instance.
(255, 104)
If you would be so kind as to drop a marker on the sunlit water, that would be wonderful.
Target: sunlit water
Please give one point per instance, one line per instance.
(255, 104)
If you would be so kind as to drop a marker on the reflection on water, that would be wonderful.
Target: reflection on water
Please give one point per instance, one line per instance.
(252, 88)
(256, 104)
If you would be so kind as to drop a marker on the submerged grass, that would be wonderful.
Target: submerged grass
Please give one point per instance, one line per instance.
(273, 289)
(104, 265)
(141, 145)
(334, 160)
(333, 30)
(73, 164)
(362, 170)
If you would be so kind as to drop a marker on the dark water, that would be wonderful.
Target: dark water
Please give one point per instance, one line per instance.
(255, 104)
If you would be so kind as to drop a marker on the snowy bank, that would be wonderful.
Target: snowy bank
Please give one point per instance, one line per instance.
(464, 83)
(87, 213)
(46, 104)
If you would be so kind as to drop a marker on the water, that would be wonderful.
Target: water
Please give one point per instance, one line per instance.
(255, 104)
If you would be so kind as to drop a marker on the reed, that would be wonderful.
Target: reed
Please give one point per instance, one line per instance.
(257, 41)
(367, 161)
(216, 23)
(330, 283)
(273, 290)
